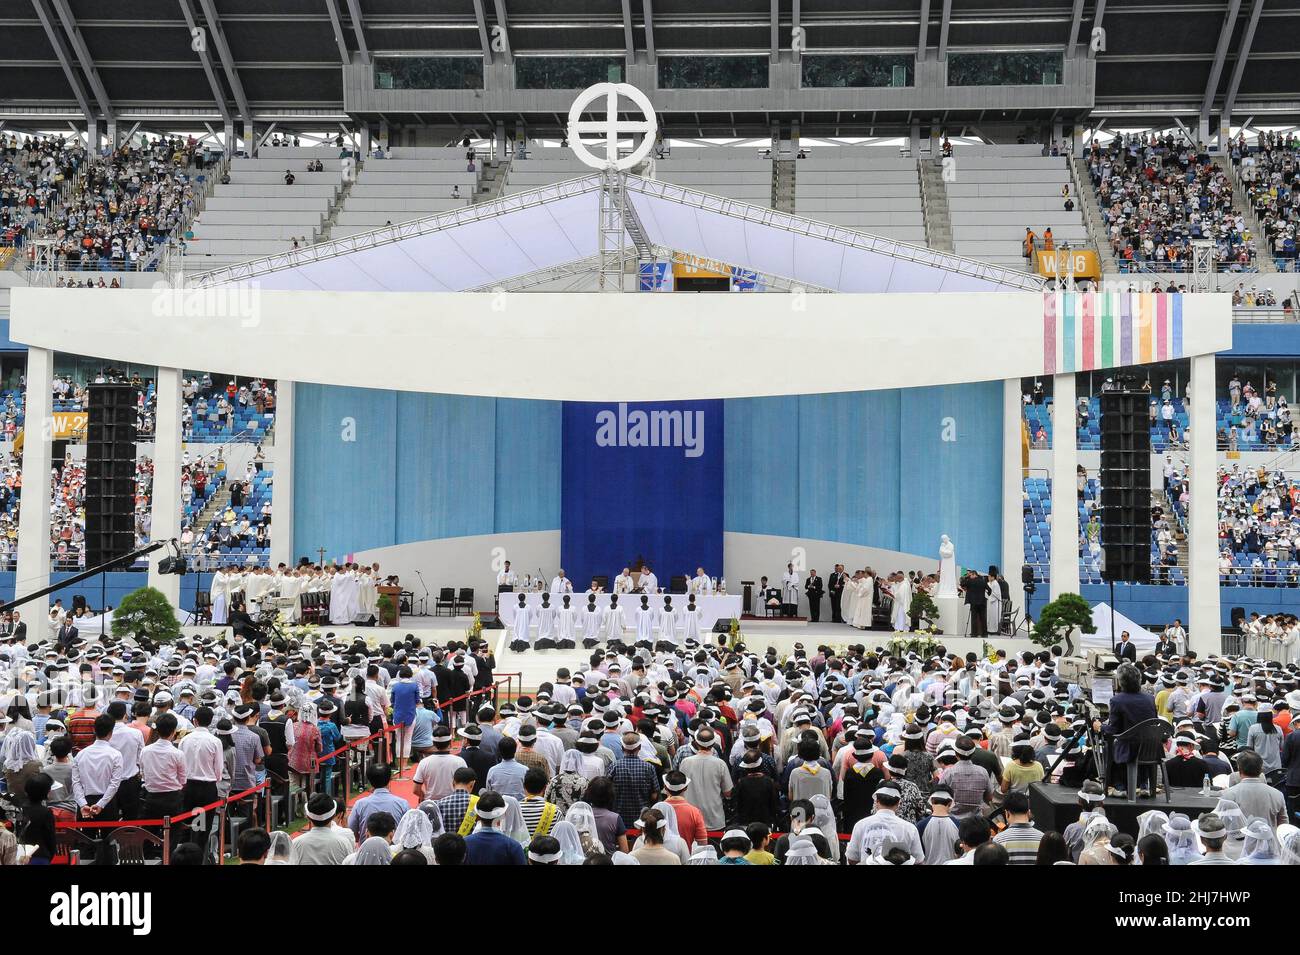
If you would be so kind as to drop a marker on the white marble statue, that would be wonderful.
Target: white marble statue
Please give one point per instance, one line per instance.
(947, 567)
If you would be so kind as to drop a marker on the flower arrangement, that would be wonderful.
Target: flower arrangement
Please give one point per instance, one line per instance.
(475, 631)
(922, 646)
(733, 634)
(302, 632)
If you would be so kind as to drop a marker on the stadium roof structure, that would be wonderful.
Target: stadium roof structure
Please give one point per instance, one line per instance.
(527, 239)
(315, 61)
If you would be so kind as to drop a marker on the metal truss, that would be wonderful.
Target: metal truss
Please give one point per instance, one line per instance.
(611, 233)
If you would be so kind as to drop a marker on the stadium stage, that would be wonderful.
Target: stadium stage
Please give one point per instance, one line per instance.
(1055, 807)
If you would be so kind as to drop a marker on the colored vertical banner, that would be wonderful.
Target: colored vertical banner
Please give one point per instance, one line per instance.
(1177, 323)
(1107, 320)
(1068, 345)
(1144, 328)
(1162, 327)
(1049, 333)
(1088, 301)
(1125, 328)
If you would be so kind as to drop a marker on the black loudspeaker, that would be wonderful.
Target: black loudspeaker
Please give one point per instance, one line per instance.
(1126, 487)
(110, 472)
(1027, 574)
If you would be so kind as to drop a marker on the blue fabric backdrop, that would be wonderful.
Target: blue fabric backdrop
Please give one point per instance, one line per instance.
(620, 501)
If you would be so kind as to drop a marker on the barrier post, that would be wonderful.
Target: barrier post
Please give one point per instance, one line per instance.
(220, 816)
(266, 801)
(347, 775)
(167, 840)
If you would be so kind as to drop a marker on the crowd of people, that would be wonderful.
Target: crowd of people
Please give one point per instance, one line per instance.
(700, 754)
(1158, 194)
(1268, 176)
(1259, 527)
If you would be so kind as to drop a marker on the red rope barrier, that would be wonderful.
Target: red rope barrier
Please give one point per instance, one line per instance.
(144, 823)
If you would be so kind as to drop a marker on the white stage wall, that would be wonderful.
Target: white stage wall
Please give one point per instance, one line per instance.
(559, 345)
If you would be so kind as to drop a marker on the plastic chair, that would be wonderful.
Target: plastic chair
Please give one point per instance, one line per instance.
(1148, 740)
(129, 843)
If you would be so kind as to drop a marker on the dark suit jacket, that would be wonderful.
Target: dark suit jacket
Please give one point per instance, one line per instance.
(1126, 651)
(976, 589)
(67, 634)
(837, 583)
(813, 588)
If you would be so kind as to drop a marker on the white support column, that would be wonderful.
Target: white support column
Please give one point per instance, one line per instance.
(165, 511)
(1204, 622)
(1065, 503)
(1013, 485)
(282, 486)
(34, 517)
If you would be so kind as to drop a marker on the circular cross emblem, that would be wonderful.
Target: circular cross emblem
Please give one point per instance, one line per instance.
(609, 127)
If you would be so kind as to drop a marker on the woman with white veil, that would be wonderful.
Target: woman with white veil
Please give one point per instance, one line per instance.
(566, 834)
(374, 851)
(415, 831)
(583, 818)
(824, 819)
(1181, 840)
(704, 855)
(513, 824)
(1234, 820)
(281, 848)
(1096, 842)
(802, 851)
(434, 814)
(671, 841)
(1152, 822)
(1288, 839)
(1260, 845)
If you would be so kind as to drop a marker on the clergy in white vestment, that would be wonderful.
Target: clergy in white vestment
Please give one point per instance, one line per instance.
(368, 594)
(291, 585)
(220, 597)
(864, 589)
(523, 621)
(343, 596)
(649, 582)
(902, 601)
(646, 617)
(560, 584)
(668, 621)
(593, 622)
(566, 623)
(700, 583)
(615, 620)
(790, 591)
(623, 582)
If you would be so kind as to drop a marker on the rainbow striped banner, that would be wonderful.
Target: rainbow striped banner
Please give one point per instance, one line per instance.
(1086, 331)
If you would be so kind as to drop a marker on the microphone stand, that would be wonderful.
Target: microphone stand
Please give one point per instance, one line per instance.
(424, 601)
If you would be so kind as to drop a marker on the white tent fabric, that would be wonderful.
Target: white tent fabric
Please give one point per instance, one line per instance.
(479, 245)
(1139, 636)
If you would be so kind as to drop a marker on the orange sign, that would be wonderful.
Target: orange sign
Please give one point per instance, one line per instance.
(1084, 261)
(68, 424)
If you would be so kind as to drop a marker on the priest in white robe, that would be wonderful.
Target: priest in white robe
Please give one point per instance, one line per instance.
(220, 595)
(700, 583)
(902, 592)
(790, 591)
(561, 584)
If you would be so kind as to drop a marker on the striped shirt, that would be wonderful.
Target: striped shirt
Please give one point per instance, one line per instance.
(532, 809)
(1021, 840)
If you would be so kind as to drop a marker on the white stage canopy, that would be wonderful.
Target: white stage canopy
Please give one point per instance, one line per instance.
(1139, 636)
(551, 227)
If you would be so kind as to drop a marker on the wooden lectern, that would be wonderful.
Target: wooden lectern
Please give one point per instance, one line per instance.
(395, 595)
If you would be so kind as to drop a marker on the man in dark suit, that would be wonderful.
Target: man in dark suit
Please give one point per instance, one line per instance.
(1165, 646)
(976, 590)
(814, 588)
(67, 632)
(837, 592)
(1126, 650)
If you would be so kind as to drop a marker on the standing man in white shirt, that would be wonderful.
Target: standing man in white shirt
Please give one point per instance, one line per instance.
(129, 742)
(163, 769)
(204, 762)
(99, 774)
